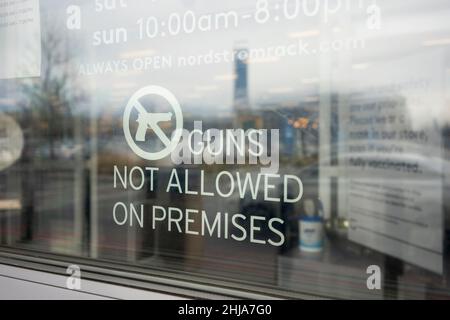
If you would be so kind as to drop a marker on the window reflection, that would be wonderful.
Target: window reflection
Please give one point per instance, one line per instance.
(362, 119)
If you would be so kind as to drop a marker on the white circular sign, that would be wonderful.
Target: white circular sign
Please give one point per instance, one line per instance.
(11, 141)
(153, 119)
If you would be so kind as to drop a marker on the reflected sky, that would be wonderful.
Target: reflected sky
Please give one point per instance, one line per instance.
(418, 26)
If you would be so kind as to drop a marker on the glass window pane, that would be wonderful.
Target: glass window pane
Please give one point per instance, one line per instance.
(301, 146)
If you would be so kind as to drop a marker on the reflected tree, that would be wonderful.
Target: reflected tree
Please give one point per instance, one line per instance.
(47, 116)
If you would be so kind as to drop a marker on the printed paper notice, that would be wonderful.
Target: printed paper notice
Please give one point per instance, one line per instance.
(393, 161)
(20, 39)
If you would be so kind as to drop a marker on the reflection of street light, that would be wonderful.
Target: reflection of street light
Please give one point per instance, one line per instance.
(301, 123)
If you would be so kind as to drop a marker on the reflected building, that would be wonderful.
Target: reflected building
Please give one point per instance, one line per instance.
(241, 100)
(245, 118)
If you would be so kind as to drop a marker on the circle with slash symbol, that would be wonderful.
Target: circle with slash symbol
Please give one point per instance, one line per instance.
(152, 121)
